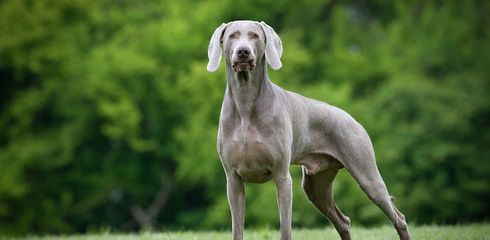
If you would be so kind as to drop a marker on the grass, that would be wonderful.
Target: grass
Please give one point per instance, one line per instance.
(459, 232)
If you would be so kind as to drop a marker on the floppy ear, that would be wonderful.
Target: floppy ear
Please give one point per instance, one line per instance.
(214, 50)
(273, 47)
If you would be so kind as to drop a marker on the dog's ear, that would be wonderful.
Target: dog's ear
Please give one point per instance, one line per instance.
(214, 50)
(273, 47)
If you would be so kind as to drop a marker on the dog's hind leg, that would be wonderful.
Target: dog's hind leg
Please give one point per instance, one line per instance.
(361, 164)
(372, 184)
(319, 189)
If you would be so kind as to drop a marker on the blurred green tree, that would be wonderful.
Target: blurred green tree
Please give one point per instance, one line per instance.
(108, 118)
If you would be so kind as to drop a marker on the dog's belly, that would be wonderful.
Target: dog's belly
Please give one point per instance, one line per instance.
(250, 157)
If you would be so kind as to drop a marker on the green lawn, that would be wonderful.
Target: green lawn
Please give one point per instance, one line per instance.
(474, 231)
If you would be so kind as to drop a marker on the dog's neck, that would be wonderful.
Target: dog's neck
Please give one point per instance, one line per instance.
(245, 88)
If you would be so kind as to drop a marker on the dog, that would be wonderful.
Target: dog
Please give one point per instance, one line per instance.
(263, 129)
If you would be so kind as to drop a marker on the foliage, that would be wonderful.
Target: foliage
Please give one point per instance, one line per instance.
(105, 103)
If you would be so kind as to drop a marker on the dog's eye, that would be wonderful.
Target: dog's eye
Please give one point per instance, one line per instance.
(253, 36)
(234, 35)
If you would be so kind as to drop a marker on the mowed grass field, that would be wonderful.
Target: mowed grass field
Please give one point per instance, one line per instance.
(461, 232)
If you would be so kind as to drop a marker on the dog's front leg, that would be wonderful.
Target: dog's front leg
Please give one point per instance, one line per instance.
(236, 199)
(284, 188)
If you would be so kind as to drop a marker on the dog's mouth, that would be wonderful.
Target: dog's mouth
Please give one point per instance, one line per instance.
(243, 65)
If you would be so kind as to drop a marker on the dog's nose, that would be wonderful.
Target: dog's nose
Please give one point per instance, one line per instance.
(243, 52)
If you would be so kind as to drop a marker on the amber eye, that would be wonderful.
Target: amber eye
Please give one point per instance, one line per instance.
(253, 36)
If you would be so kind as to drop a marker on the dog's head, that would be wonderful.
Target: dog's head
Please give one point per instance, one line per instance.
(244, 43)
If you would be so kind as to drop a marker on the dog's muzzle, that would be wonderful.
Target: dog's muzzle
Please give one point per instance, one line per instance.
(243, 59)
(243, 65)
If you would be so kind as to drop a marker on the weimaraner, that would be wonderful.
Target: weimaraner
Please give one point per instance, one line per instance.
(264, 128)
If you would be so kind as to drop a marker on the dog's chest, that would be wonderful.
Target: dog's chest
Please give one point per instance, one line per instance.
(250, 153)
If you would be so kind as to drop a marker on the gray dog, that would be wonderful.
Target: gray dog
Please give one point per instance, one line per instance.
(264, 128)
